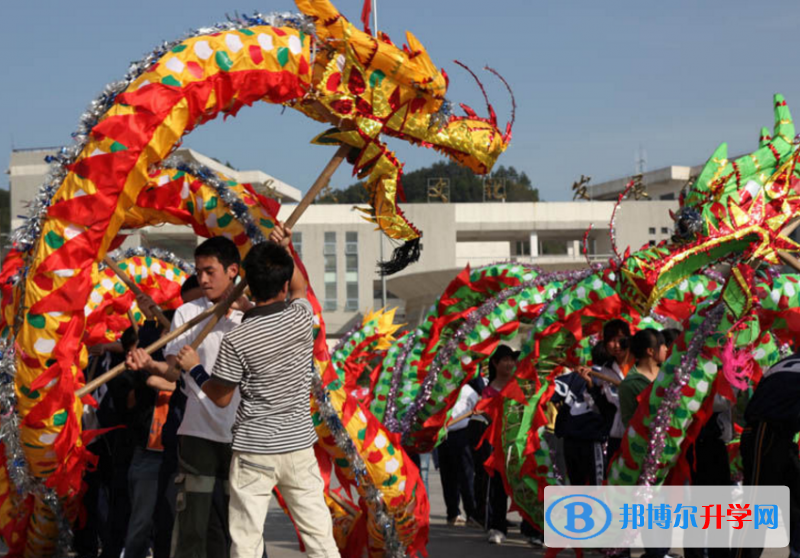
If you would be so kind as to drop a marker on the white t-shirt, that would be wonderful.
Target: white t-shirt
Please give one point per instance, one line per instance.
(467, 399)
(202, 418)
(612, 396)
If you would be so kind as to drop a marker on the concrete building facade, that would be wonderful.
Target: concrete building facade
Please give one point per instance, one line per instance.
(341, 250)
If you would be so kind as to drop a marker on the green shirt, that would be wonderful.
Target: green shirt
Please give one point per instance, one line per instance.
(630, 388)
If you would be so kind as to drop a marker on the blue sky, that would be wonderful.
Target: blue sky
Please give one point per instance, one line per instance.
(593, 80)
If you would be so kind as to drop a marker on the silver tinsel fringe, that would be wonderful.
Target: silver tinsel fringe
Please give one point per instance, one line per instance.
(158, 253)
(445, 353)
(371, 494)
(238, 207)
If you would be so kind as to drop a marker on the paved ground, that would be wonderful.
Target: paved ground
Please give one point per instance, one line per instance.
(445, 541)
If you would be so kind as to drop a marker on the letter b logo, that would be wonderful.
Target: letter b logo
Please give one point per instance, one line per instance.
(579, 517)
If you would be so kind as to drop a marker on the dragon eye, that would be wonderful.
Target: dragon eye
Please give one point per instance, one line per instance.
(688, 224)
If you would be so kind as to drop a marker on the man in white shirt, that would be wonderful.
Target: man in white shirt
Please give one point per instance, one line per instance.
(205, 433)
(456, 467)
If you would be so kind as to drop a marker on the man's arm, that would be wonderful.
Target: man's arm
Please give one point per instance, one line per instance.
(282, 235)
(160, 384)
(297, 286)
(138, 359)
(219, 391)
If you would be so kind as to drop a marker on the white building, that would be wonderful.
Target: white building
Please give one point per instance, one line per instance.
(341, 250)
(27, 171)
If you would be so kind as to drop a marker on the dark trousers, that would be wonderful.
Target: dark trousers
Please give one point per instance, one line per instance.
(87, 535)
(165, 506)
(143, 490)
(585, 462)
(491, 502)
(612, 446)
(457, 473)
(201, 525)
(770, 458)
(119, 504)
(708, 459)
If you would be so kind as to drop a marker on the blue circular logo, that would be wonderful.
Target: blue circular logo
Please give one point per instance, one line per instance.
(580, 515)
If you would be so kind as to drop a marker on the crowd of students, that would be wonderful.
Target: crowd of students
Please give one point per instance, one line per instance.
(590, 410)
(200, 436)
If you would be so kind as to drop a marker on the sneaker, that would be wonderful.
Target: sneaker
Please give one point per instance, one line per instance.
(472, 522)
(457, 521)
(535, 540)
(496, 537)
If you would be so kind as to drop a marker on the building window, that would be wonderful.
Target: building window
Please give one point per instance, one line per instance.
(670, 196)
(329, 253)
(297, 242)
(351, 270)
(522, 248)
(652, 230)
(664, 230)
(652, 243)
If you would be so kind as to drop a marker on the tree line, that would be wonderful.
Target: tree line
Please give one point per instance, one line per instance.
(465, 186)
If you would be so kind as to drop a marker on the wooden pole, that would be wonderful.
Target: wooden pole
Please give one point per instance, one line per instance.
(221, 308)
(162, 319)
(344, 504)
(133, 321)
(117, 370)
(613, 381)
(463, 417)
(319, 184)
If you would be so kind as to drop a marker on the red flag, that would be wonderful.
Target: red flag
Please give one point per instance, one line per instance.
(365, 13)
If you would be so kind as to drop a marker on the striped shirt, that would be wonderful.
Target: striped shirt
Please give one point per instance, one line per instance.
(269, 356)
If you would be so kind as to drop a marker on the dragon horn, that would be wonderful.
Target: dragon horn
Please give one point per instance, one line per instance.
(492, 115)
(420, 56)
(324, 13)
(510, 125)
(784, 127)
(765, 137)
(712, 168)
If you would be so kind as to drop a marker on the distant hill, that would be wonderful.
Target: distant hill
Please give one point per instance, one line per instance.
(465, 186)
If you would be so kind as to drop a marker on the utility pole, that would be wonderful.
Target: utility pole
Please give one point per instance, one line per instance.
(383, 277)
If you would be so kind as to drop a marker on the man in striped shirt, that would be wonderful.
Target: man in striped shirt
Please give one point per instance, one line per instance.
(269, 358)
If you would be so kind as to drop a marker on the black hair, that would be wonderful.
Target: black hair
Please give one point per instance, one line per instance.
(614, 327)
(129, 339)
(221, 248)
(190, 283)
(600, 355)
(646, 339)
(267, 267)
(499, 354)
(670, 335)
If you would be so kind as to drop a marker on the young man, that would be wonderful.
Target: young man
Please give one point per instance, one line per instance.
(205, 432)
(616, 341)
(769, 453)
(269, 357)
(581, 425)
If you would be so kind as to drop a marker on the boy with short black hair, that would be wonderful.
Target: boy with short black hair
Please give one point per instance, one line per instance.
(205, 432)
(270, 358)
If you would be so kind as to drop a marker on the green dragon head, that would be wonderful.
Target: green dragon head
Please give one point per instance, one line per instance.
(739, 211)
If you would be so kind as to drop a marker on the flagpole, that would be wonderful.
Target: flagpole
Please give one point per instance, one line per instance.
(383, 277)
